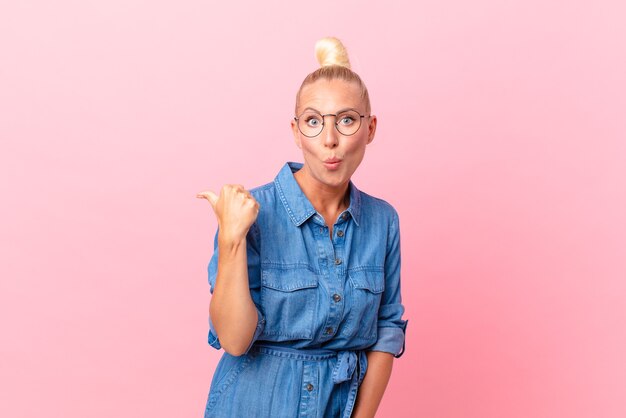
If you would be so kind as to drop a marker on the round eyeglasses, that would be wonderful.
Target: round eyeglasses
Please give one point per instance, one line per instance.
(311, 122)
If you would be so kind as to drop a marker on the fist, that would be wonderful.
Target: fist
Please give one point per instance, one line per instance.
(235, 209)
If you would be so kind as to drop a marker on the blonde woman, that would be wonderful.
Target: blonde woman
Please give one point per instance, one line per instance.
(305, 275)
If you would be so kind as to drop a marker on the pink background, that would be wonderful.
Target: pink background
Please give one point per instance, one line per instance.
(501, 142)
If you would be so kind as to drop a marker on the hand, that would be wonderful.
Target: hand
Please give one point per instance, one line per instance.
(235, 208)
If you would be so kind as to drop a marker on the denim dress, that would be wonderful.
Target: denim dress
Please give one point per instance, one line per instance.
(322, 303)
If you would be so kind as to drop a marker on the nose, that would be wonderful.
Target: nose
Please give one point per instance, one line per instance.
(330, 135)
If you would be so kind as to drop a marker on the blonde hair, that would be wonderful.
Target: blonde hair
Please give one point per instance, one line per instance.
(334, 65)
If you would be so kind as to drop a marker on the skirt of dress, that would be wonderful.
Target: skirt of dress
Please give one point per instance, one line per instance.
(276, 382)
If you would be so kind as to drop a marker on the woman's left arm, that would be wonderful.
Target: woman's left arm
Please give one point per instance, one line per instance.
(391, 331)
(379, 365)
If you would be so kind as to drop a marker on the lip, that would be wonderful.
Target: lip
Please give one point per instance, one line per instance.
(332, 163)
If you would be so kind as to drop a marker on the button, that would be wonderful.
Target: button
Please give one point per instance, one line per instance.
(340, 233)
(344, 216)
(329, 330)
(309, 387)
(336, 297)
(321, 230)
(337, 261)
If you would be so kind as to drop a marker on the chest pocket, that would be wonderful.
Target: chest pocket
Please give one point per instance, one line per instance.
(289, 300)
(367, 288)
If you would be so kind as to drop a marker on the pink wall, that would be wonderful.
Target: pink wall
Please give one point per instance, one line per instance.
(501, 142)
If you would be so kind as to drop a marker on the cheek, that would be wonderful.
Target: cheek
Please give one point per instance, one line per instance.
(308, 151)
(357, 148)
(305, 146)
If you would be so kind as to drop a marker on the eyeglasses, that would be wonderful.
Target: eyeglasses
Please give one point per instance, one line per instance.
(311, 122)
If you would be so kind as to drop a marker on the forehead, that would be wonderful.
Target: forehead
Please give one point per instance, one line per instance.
(328, 96)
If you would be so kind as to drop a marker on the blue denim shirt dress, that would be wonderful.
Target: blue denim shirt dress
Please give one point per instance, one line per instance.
(322, 302)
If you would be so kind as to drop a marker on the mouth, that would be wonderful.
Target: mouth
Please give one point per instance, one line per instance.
(332, 163)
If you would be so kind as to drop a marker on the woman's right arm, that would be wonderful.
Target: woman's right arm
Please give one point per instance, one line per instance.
(232, 311)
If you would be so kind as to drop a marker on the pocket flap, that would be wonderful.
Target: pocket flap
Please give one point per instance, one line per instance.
(288, 280)
(372, 280)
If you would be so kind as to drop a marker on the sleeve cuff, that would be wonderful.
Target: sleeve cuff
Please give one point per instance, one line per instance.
(260, 326)
(213, 340)
(391, 340)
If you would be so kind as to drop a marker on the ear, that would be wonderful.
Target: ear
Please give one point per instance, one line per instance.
(296, 133)
(371, 128)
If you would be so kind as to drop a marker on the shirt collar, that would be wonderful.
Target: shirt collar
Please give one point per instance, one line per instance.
(297, 205)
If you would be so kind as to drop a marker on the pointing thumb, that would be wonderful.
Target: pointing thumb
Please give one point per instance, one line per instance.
(208, 195)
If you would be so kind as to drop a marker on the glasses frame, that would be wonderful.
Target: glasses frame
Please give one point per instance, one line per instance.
(297, 119)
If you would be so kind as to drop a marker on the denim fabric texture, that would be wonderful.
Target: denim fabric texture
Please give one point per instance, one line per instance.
(322, 303)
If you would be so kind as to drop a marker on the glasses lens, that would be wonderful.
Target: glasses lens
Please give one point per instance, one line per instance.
(310, 123)
(348, 122)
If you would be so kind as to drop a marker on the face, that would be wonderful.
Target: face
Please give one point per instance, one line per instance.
(332, 96)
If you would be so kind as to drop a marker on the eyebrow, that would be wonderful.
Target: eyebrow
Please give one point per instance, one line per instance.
(339, 111)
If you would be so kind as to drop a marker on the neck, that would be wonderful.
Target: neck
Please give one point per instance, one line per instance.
(324, 198)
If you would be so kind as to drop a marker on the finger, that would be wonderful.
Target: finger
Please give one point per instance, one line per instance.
(243, 193)
(235, 186)
(255, 205)
(208, 195)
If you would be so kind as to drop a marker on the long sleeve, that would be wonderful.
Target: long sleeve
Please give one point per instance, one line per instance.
(391, 326)
(254, 279)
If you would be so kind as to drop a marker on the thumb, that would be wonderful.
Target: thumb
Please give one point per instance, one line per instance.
(208, 195)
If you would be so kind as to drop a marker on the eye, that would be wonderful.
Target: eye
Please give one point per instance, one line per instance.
(312, 121)
(346, 120)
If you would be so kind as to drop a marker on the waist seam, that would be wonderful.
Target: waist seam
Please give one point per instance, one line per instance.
(295, 353)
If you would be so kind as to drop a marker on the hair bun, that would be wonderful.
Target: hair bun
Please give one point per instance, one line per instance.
(330, 51)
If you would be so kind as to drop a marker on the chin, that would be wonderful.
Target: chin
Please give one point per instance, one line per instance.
(335, 178)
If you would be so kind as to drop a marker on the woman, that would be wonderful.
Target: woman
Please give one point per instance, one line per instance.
(305, 274)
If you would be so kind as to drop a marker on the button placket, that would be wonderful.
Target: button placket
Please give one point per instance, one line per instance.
(334, 249)
(308, 397)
